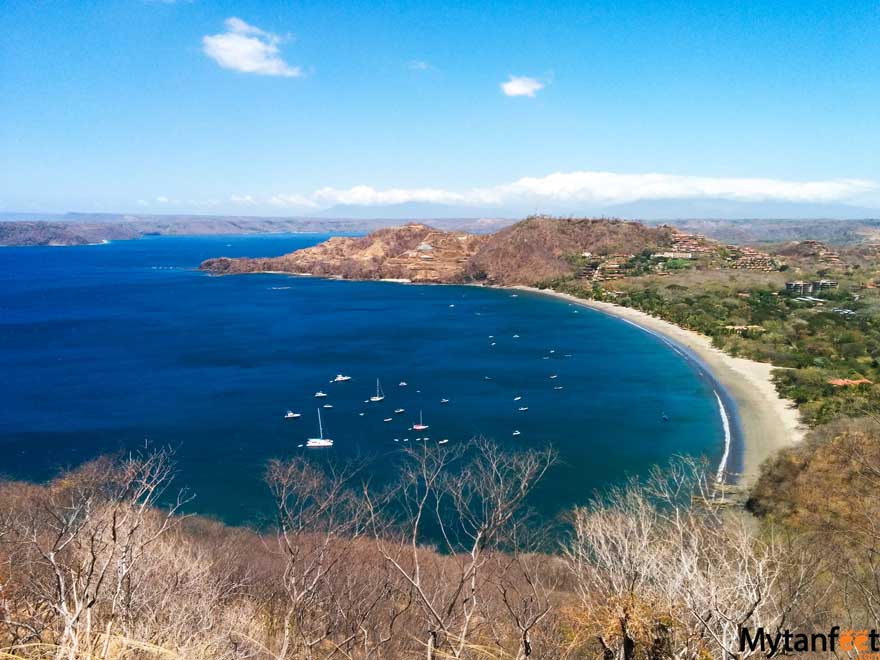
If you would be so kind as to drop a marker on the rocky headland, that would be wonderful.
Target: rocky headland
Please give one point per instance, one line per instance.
(531, 251)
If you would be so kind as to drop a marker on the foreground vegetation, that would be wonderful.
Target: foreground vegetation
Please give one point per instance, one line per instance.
(100, 563)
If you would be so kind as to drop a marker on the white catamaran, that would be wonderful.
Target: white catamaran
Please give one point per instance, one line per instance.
(320, 441)
(380, 395)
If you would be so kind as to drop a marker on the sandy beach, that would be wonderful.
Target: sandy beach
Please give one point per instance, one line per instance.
(768, 422)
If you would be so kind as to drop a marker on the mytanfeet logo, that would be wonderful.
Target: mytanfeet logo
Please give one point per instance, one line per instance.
(866, 643)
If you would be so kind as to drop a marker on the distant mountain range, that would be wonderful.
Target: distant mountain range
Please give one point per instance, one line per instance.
(741, 222)
(651, 210)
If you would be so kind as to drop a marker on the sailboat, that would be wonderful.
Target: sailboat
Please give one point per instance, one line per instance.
(320, 441)
(421, 426)
(380, 395)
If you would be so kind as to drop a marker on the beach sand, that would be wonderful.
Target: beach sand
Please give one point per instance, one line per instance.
(768, 422)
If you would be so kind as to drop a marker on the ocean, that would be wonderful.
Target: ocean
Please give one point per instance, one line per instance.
(117, 346)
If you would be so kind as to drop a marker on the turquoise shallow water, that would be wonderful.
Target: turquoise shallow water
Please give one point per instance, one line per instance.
(104, 347)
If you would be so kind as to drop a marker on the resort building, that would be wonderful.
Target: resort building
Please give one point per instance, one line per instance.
(799, 287)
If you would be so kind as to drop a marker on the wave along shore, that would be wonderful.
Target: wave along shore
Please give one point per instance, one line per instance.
(767, 421)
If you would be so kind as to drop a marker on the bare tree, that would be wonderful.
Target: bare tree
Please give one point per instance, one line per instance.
(666, 567)
(81, 538)
(465, 496)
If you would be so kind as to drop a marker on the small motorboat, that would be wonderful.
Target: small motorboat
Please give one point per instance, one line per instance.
(452, 305)
(523, 408)
(516, 336)
(320, 394)
(517, 398)
(443, 441)
(340, 379)
(328, 405)
(554, 377)
(387, 419)
(444, 400)
(664, 417)
(557, 387)
(360, 414)
(397, 411)
(492, 344)
(515, 433)
(291, 415)
(402, 383)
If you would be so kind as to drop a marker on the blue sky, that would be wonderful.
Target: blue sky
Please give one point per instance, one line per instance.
(288, 107)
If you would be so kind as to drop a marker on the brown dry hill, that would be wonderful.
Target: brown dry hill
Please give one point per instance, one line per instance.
(414, 252)
(538, 249)
(528, 252)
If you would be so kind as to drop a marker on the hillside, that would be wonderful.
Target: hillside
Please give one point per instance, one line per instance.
(413, 252)
(528, 252)
(538, 249)
(58, 233)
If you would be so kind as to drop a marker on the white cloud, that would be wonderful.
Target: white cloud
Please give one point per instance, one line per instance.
(242, 199)
(365, 195)
(599, 188)
(162, 199)
(247, 48)
(521, 86)
(418, 65)
(612, 188)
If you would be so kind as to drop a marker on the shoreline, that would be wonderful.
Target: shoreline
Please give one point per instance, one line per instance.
(766, 422)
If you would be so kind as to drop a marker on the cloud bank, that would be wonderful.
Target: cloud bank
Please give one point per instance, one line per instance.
(248, 49)
(599, 188)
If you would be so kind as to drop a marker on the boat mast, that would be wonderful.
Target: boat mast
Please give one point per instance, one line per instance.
(320, 426)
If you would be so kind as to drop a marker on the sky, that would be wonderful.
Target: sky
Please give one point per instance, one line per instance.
(288, 108)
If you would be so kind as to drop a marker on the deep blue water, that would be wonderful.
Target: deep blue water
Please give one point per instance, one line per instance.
(104, 347)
